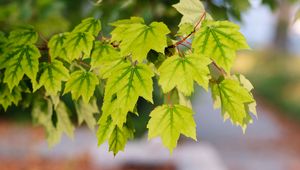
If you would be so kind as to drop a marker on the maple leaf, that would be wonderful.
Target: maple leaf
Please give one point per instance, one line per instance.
(82, 83)
(21, 60)
(56, 46)
(232, 97)
(192, 10)
(123, 88)
(90, 25)
(219, 40)
(181, 72)
(52, 76)
(168, 122)
(118, 138)
(78, 45)
(22, 35)
(86, 112)
(138, 39)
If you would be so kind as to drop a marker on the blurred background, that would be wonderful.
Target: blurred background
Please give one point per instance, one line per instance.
(272, 142)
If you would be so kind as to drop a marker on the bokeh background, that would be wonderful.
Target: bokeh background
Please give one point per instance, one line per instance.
(272, 142)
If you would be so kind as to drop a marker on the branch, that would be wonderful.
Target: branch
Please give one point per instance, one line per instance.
(43, 48)
(188, 36)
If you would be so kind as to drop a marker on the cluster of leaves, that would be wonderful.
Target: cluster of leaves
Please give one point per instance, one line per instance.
(81, 63)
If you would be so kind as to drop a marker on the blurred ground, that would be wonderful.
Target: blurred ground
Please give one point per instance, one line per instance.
(270, 143)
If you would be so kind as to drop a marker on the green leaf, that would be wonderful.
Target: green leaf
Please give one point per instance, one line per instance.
(125, 22)
(168, 122)
(23, 35)
(52, 76)
(7, 55)
(191, 10)
(90, 25)
(138, 39)
(85, 112)
(64, 123)
(7, 97)
(233, 98)
(3, 41)
(118, 138)
(107, 68)
(123, 25)
(219, 40)
(78, 44)
(103, 54)
(247, 84)
(181, 72)
(123, 89)
(56, 46)
(105, 130)
(82, 83)
(184, 101)
(42, 112)
(22, 60)
(185, 29)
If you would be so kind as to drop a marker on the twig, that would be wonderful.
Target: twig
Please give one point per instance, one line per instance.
(84, 64)
(43, 38)
(194, 30)
(219, 68)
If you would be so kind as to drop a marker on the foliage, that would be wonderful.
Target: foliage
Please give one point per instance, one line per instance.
(114, 73)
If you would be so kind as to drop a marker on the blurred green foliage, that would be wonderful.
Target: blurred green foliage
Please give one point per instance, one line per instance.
(280, 88)
(53, 16)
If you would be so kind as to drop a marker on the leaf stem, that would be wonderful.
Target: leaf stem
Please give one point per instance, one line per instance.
(219, 68)
(84, 64)
(168, 96)
(43, 38)
(188, 47)
(179, 52)
(49, 58)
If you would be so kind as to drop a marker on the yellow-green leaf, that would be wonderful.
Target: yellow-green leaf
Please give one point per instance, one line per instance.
(181, 72)
(123, 25)
(219, 40)
(52, 76)
(138, 39)
(168, 122)
(185, 29)
(42, 112)
(56, 46)
(118, 138)
(7, 97)
(22, 35)
(86, 111)
(64, 123)
(82, 83)
(90, 25)
(247, 84)
(232, 97)
(105, 130)
(103, 54)
(192, 10)
(123, 89)
(22, 60)
(78, 45)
